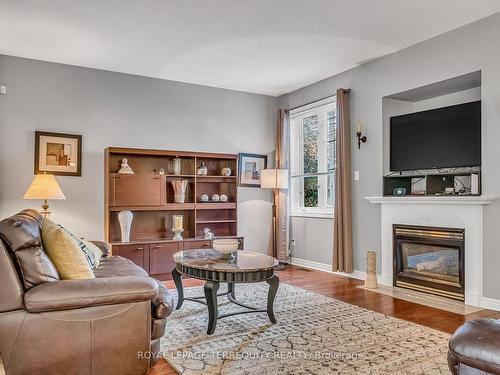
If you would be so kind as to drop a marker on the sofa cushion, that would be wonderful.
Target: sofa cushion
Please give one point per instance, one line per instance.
(92, 253)
(22, 230)
(65, 251)
(117, 266)
(22, 235)
(74, 294)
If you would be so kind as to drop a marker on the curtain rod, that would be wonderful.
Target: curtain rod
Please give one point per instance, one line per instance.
(314, 101)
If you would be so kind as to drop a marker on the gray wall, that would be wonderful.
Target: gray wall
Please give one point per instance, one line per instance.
(468, 49)
(114, 109)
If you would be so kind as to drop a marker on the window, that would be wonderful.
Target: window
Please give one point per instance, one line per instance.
(312, 159)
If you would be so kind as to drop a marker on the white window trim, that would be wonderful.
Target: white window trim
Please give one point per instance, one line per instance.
(325, 211)
(320, 214)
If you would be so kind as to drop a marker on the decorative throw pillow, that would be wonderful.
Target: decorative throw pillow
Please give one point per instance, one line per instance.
(95, 254)
(65, 251)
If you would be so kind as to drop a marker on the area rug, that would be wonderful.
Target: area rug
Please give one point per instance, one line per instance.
(314, 335)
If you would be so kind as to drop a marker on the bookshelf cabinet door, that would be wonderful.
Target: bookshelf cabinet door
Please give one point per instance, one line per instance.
(138, 190)
(161, 259)
(139, 254)
(188, 245)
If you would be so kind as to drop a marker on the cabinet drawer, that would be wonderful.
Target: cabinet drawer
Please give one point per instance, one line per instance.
(137, 190)
(188, 245)
(139, 254)
(161, 260)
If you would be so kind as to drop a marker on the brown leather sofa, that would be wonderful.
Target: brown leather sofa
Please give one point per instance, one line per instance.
(108, 325)
(474, 348)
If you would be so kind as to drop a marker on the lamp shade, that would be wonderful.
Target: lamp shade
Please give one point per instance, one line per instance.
(274, 178)
(44, 186)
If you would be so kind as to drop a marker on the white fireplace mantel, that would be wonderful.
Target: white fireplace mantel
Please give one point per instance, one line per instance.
(465, 212)
(435, 199)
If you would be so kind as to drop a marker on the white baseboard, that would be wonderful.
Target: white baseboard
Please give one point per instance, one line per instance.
(490, 303)
(484, 302)
(356, 274)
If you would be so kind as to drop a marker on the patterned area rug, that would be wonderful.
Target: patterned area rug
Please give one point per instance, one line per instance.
(314, 335)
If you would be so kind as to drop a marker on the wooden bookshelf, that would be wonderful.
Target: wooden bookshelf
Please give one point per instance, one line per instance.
(150, 197)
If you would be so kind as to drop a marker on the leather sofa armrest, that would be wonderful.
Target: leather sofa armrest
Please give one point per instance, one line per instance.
(74, 294)
(103, 246)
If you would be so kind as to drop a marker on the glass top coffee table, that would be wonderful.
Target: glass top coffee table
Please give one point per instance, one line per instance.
(245, 267)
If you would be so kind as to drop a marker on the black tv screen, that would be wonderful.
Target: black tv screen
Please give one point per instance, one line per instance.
(446, 137)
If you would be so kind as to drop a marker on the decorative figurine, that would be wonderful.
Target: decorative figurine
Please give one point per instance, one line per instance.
(203, 170)
(225, 172)
(215, 197)
(209, 234)
(204, 198)
(223, 198)
(125, 168)
(161, 172)
(177, 166)
(179, 190)
(125, 218)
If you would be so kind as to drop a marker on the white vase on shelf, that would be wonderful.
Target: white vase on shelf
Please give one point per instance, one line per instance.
(179, 187)
(125, 218)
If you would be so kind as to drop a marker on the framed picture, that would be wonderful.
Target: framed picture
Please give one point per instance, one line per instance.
(249, 167)
(58, 154)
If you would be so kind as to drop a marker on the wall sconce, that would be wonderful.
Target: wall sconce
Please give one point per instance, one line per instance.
(359, 133)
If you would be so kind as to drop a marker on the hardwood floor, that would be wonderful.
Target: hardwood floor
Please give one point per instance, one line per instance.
(345, 289)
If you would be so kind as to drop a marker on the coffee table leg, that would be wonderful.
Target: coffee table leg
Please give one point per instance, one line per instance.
(210, 290)
(231, 290)
(180, 289)
(274, 283)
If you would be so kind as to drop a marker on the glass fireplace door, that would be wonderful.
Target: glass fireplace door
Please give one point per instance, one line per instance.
(438, 264)
(430, 260)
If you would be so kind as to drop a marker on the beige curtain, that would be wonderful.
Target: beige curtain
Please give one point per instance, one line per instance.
(342, 222)
(281, 196)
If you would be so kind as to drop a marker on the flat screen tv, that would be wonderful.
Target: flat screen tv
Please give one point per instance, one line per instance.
(448, 137)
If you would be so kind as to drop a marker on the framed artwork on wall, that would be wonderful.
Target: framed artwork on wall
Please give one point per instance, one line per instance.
(249, 167)
(58, 153)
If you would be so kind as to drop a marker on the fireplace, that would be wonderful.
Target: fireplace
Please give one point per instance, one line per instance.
(429, 259)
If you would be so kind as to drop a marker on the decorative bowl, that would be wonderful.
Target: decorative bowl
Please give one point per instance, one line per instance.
(226, 247)
(223, 198)
(215, 197)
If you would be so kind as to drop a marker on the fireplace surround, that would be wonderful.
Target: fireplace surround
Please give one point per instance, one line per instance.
(429, 259)
(440, 211)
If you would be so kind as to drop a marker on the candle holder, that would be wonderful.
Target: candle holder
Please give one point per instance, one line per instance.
(361, 138)
(177, 236)
(359, 133)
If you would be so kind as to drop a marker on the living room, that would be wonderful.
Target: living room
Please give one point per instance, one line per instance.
(291, 160)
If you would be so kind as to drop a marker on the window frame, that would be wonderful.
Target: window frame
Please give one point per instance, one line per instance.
(324, 210)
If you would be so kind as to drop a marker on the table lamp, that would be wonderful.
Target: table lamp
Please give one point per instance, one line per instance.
(44, 187)
(274, 179)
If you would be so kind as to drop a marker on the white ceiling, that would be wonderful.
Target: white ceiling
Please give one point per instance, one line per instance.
(263, 46)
